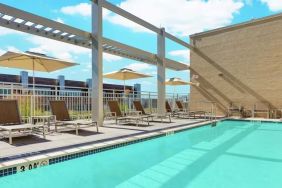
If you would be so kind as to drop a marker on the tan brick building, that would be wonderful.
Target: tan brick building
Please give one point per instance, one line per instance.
(239, 64)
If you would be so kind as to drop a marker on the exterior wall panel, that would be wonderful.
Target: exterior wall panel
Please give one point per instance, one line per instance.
(242, 65)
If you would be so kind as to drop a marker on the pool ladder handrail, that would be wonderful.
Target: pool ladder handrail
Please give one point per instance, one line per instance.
(255, 122)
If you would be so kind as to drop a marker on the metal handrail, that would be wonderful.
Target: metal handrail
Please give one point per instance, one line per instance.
(79, 101)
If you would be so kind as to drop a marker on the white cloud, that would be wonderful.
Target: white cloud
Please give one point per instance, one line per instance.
(183, 54)
(139, 66)
(181, 17)
(55, 48)
(273, 5)
(6, 31)
(106, 57)
(9, 48)
(110, 58)
(83, 9)
(60, 20)
(13, 49)
(2, 52)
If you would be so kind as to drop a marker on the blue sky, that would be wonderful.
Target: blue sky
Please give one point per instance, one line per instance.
(181, 18)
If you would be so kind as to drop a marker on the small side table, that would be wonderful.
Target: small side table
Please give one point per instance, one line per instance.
(44, 119)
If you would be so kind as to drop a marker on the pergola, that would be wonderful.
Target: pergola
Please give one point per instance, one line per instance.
(33, 24)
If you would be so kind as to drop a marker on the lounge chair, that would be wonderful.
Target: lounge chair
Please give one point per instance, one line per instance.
(180, 106)
(11, 122)
(135, 116)
(246, 112)
(181, 111)
(261, 108)
(235, 109)
(168, 108)
(185, 112)
(63, 119)
(138, 106)
(170, 111)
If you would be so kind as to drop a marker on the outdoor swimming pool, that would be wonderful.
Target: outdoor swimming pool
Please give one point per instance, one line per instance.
(232, 154)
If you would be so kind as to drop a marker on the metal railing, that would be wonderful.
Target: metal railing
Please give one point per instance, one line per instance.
(78, 99)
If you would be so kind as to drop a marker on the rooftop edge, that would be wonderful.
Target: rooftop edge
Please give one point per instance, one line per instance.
(233, 27)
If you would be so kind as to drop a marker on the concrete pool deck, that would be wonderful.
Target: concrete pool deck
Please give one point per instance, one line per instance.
(35, 144)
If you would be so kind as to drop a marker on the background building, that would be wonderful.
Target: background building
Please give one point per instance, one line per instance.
(60, 83)
(239, 64)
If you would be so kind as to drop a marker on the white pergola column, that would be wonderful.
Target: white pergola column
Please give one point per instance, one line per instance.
(97, 63)
(161, 73)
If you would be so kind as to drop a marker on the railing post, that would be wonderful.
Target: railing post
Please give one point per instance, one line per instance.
(133, 98)
(12, 91)
(89, 99)
(150, 102)
(56, 93)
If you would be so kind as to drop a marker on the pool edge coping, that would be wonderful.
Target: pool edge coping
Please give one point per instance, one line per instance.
(14, 166)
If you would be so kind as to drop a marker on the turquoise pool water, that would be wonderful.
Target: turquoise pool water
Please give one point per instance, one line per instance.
(232, 154)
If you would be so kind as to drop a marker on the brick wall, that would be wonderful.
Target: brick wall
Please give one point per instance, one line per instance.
(240, 65)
